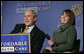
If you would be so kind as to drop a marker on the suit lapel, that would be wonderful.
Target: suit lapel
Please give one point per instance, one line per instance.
(33, 32)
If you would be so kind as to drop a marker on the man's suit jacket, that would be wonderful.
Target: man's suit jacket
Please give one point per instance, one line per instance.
(37, 37)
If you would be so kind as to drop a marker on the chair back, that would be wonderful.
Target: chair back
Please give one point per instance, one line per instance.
(77, 45)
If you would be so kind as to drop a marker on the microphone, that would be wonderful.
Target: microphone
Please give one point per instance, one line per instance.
(47, 36)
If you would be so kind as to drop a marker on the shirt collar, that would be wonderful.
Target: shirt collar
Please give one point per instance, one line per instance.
(30, 28)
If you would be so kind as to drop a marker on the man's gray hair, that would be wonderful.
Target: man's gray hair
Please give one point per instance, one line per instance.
(33, 11)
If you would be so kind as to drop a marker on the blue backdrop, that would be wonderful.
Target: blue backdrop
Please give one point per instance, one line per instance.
(49, 13)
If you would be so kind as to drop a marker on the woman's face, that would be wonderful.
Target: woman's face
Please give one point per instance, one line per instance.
(64, 18)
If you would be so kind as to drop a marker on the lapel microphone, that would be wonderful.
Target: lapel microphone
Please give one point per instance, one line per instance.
(21, 30)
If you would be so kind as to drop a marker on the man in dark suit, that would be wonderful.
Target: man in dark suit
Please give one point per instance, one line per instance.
(37, 36)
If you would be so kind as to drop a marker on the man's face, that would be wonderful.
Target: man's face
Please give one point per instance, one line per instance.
(29, 19)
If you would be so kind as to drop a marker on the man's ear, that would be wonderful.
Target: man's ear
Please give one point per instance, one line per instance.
(35, 19)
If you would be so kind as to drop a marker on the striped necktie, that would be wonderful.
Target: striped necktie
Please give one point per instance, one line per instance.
(25, 31)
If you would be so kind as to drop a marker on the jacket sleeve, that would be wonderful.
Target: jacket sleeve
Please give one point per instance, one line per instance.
(38, 43)
(70, 41)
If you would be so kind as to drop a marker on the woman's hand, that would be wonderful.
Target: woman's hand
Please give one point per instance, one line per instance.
(49, 48)
(50, 42)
